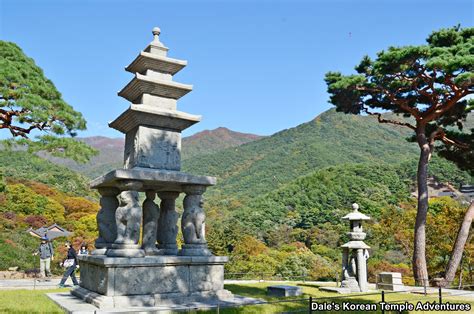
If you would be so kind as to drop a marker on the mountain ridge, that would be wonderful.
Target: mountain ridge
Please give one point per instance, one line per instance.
(251, 165)
(328, 139)
(111, 149)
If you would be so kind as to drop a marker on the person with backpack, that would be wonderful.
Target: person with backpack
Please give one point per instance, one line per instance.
(46, 253)
(70, 263)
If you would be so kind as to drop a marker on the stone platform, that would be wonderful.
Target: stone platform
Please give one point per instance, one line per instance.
(345, 290)
(284, 291)
(117, 282)
(151, 179)
(390, 281)
(336, 289)
(73, 305)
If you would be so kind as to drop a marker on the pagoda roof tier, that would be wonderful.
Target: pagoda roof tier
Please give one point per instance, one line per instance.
(152, 116)
(149, 61)
(142, 84)
(144, 179)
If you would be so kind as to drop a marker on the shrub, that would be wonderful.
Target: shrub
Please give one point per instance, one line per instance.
(36, 221)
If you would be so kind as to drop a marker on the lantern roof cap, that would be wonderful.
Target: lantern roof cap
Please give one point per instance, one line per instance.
(355, 214)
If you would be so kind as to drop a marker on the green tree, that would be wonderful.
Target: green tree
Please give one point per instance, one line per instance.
(2, 182)
(22, 199)
(429, 83)
(29, 102)
(464, 159)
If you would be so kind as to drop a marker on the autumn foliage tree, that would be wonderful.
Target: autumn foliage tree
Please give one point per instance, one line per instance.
(464, 159)
(30, 103)
(429, 84)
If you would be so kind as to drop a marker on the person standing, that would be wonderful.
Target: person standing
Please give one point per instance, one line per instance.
(83, 250)
(70, 263)
(46, 253)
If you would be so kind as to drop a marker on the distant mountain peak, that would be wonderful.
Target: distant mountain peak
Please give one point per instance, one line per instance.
(103, 142)
(210, 141)
(222, 128)
(224, 132)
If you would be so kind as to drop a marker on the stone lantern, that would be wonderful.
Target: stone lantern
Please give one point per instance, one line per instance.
(355, 253)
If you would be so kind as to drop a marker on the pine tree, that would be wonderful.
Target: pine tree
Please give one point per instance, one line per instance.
(30, 102)
(464, 159)
(428, 83)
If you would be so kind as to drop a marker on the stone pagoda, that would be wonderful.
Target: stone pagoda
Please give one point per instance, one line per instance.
(137, 261)
(355, 254)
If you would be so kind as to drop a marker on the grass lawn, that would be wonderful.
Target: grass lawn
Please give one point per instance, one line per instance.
(28, 301)
(258, 290)
(36, 301)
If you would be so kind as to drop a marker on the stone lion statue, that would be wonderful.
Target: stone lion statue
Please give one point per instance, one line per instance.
(192, 222)
(128, 218)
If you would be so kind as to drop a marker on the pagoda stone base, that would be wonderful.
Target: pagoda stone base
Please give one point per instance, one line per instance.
(111, 282)
(195, 250)
(125, 250)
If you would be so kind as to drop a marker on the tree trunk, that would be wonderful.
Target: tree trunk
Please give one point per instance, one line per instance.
(420, 270)
(469, 269)
(458, 247)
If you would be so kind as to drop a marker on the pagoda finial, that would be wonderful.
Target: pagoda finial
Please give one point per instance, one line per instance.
(156, 36)
(355, 207)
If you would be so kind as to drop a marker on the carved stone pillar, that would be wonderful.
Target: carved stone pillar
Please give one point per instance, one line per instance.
(361, 270)
(151, 212)
(106, 220)
(128, 217)
(193, 222)
(167, 224)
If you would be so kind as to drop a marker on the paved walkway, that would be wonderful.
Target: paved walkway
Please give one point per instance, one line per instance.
(31, 284)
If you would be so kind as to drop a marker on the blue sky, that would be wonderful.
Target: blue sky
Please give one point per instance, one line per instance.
(256, 66)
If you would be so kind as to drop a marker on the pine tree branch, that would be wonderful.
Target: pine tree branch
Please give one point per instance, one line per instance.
(383, 120)
(401, 103)
(19, 131)
(448, 105)
(440, 134)
(446, 140)
(6, 122)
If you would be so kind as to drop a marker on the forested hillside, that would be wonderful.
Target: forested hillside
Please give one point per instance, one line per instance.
(278, 202)
(35, 193)
(326, 195)
(20, 165)
(247, 165)
(304, 217)
(330, 139)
